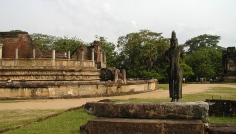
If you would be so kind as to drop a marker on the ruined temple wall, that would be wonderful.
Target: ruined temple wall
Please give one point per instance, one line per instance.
(19, 40)
(50, 74)
(40, 63)
(75, 90)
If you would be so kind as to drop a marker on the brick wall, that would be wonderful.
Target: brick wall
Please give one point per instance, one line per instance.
(20, 40)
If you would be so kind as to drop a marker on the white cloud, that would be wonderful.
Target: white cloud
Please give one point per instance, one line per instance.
(111, 19)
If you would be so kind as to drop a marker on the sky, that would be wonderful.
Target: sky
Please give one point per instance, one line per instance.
(114, 18)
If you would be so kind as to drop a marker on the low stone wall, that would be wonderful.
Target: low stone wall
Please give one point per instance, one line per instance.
(222, 108)
(65, 89)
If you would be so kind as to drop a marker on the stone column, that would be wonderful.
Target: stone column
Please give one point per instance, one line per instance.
(33, 61)
(34, 53)
(68, 55)
(16, 57)
(53, 57)
(93, 56)
(116, 75)
(102, 59)
(1, 50)
(124, 75)
(82, 57)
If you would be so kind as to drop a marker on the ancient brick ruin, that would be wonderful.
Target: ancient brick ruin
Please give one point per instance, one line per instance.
(27, 72)
(229, 65)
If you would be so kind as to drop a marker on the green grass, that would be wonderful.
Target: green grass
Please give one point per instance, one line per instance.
(70, 122)
(12, 118)
(225, 120)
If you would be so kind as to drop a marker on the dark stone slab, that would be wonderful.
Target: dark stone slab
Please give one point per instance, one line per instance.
(143, 126)
(222, 129)
(147, 110)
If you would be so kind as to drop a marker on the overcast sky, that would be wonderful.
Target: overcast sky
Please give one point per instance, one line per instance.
(114, 18)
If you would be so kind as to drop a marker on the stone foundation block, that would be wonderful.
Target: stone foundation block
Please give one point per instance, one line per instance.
(143, 126)
(147, 110)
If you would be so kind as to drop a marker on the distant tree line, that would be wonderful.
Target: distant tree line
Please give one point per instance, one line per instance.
(142, 53)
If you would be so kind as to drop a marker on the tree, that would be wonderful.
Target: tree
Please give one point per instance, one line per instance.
(43, 41)
(205, 62)
(68, 44)
(140, 51)
(187, 70)
(202, 41)
(204, 56)
(48, 42)
(16, 31)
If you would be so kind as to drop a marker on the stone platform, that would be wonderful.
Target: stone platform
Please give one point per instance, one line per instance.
(147, 118)
(143, 126)
(147, 110)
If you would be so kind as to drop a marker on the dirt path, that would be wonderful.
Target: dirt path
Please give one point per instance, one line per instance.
(70, 103)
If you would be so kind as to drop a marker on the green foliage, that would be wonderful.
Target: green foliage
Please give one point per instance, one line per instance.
(205, 62)
(66, 43)
(149, 74)
(204, 56)
(202, 41)
(16, 31)
(43, 41)
(187, 70)
(142, 52)
(48, 42)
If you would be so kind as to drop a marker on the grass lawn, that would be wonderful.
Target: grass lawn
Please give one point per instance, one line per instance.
(70, 122)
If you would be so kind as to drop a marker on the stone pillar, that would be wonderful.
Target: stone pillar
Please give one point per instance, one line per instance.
(102, 59)
(124, 75)
(53, 57)
(16, 57)
(82, 57)
(1, 50)
(116, 75)
(68, 55)
(93, 57)
(34, 53)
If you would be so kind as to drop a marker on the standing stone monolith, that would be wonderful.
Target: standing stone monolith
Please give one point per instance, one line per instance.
(174, 70)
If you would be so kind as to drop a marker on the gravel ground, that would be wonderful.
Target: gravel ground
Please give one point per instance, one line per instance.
(70, 103)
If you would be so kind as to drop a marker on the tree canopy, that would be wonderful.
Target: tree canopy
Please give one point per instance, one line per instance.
(202, 41)
(48, 42)
(204, 55)
(140, 51)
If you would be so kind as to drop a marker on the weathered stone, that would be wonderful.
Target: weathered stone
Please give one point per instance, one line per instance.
(222, 129)
(146, 110)
(174, 70)
(143, 126)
